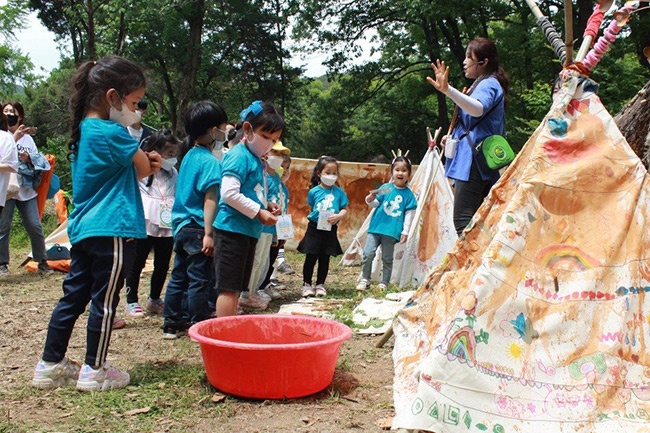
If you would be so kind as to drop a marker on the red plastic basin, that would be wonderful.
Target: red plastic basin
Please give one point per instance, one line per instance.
(270, 356)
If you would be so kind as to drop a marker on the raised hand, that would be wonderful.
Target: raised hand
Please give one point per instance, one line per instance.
(441, 74)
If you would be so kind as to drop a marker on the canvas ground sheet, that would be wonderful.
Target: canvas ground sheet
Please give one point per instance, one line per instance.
(537, 319)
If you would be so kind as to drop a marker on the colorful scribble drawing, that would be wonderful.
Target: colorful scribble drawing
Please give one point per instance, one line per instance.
(538, 319)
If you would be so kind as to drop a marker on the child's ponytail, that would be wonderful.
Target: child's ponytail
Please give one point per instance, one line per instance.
(78, 104)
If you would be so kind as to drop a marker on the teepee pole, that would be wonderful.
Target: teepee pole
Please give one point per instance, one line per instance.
(595, 20)
(568, 30)
(549, 31)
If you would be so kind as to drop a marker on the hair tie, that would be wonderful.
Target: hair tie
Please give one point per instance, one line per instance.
(255, 108)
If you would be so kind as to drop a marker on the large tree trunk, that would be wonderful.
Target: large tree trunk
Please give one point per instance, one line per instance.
(634, 123)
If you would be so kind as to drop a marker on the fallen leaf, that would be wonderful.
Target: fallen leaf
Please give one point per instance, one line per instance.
(161, 385)
(385, 423)
(137, 411)
(217, 397)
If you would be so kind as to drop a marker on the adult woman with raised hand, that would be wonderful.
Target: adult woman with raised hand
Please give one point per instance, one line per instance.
(480, 114)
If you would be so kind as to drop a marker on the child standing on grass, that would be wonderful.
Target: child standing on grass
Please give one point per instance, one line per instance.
(158, 193)
(270, 283)
(282, 265)
(244, 209)
(106, 164)
(395, 206)
(193, 217)
(328, 203)
(264, 244)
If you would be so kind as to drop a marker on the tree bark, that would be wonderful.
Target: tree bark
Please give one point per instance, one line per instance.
(634, 122)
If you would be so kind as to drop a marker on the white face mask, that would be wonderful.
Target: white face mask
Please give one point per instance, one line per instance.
(168, 164)
(328, 179)
(285, 176)
(218, 153)
(125, 117)
(274, 161)
(259, 145)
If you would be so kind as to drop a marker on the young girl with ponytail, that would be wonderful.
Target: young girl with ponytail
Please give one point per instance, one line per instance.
(106, 163)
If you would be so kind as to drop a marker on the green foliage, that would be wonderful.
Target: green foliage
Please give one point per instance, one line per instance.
(236, 52)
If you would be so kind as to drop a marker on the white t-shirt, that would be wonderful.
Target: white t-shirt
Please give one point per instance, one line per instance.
(8, 156)
(26, 144)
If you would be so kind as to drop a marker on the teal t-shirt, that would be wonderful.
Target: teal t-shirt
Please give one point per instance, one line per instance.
(274, 195)
(333, 199)
(105, 184)
(242, 164)
(199, 171)
(388, 218)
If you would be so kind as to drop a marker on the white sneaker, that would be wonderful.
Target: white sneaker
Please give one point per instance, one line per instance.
(382, 286)
(320, 290)
(48, 375)
(272, 289)
(264, 295)
(363, 284)
(307, 290)
(102, 379)
(134, 309)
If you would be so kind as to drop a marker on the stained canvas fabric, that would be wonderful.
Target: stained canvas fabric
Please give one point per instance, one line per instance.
(431, 235)
(537, 320)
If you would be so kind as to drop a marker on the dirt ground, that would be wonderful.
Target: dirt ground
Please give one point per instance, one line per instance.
(358, 400)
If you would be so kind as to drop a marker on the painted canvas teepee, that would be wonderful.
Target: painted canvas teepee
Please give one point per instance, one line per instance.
(432, 232)
(537, 320)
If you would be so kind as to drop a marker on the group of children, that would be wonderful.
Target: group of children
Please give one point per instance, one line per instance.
(218, 216)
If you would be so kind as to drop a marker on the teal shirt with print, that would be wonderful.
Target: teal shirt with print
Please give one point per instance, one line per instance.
(325, 199)
(388, 218)
(105, 184)
(242, 164)
(274, 195)
(200, 170)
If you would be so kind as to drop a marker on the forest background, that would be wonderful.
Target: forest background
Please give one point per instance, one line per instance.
(234, 52)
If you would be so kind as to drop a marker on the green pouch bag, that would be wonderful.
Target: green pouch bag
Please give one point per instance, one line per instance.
(497, 151)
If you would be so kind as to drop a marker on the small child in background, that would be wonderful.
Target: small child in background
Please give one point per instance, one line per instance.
(281, 263)
(243, 208)
(395, 205)
(106, 163)
(276, 160)
(328, 203)
(158, 193)
(193, 217)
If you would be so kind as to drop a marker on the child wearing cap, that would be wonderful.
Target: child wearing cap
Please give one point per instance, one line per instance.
(261, 262)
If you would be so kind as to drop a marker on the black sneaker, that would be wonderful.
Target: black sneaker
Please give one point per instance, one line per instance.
(44, 269)
(172, 334)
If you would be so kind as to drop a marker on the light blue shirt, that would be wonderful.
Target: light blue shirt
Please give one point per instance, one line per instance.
(274, 195)
(105, 184)
(242, 164)
(489, 93)
(200, 170)
(320, 199)
(388, 218)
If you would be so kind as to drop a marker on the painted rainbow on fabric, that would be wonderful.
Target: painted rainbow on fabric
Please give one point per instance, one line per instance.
(566, 257)
(462, 344)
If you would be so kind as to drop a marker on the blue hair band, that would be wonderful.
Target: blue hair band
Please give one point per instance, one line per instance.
(255, 108)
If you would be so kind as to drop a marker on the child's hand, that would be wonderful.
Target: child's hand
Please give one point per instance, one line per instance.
(371, 197)
(155, 161)
(267, 218)
(274, 208)
(334, 218)
(403, 238)
(208, 245)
